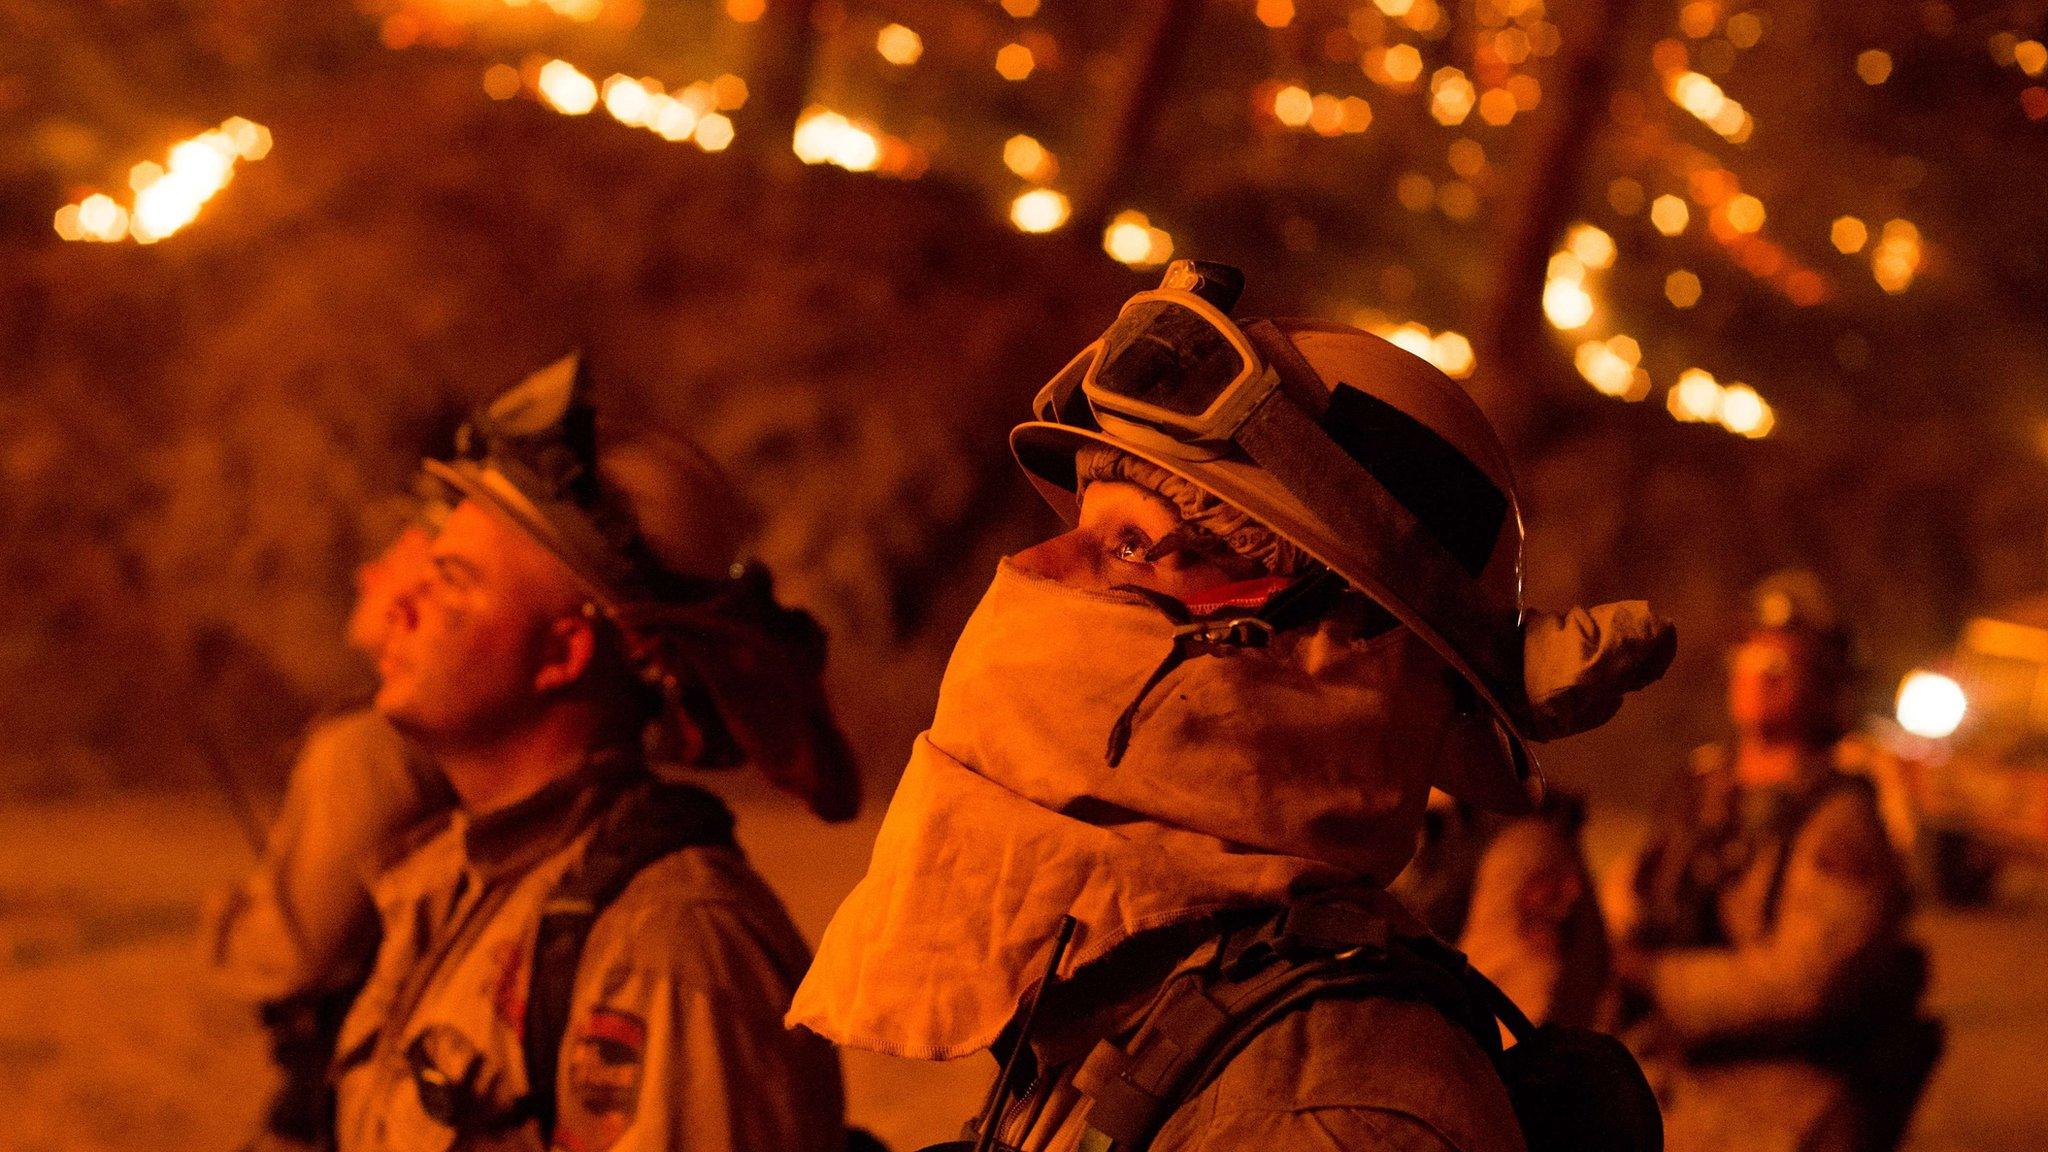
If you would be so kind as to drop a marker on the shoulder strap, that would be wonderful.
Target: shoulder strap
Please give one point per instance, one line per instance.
(650, 822)
(1203, 1018)
(1842, 782)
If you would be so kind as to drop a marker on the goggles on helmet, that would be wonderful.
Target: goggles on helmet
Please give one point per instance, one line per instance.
(1174, 371)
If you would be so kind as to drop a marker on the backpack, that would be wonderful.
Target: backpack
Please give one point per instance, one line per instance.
(1571, 1088)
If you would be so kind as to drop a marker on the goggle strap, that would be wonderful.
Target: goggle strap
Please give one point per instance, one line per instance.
(1298, 378)
(1401, 553)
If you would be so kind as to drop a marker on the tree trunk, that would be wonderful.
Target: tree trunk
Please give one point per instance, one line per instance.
(785, 48)
(1160, 34)
(1516, 354)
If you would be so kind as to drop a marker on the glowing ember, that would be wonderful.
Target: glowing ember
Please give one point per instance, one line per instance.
(899, 45)
(1131, 239)
(565, 89)
(1039, 210)
(826, 137)
(1029, 159)
(168, 196)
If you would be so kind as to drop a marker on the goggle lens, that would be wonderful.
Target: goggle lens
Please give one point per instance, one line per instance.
(1168, 356)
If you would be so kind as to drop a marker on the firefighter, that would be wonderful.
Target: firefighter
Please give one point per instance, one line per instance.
(1761, 934)
(297, 935)
(1181, 748)
(582, 959)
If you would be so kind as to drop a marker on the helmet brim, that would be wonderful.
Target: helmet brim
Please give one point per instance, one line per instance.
(1511, 784)
(490, 489)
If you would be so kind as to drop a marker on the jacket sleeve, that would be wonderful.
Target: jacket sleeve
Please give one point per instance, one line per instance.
(1529, 890)
(675, 1041)
(1842, 893)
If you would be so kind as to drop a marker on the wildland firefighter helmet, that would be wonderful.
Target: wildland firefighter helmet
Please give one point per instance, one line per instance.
(1366, 457)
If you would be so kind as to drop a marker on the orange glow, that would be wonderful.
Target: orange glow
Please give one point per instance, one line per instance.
(1039, 210)
(1014, 62)
(899, 45)
(167, 196)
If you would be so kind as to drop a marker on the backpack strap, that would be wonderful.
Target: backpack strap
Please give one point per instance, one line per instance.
(651, 821)
(1203, 1018)
(1808, 807)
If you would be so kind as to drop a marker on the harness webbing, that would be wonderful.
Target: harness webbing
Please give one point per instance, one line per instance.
(1204, 1018)
(646, 825)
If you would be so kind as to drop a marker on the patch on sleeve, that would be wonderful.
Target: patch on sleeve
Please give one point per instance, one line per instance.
(601, 1082)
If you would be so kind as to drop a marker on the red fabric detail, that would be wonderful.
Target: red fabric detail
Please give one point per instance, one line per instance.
(508, 991)
(619, 1027)
(1245, 594)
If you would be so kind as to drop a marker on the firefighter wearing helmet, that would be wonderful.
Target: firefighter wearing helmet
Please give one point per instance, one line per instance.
(580, 958)
(1761, 935)
(1182, 747)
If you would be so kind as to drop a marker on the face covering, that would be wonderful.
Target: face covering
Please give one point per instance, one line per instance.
(1249, 778)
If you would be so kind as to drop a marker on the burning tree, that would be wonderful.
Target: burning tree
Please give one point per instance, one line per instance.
(1746, 284)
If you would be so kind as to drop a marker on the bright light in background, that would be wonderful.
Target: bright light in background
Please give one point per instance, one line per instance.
(1592, 245)
(501, 82)
(565, 89)
(1897, 256)
(1451, 96)
(1014, 62)
(1744, 413)
(1696, 398)
(1931, 705)
(1293, 105)
(1274, 13)
(899, 45)
(1131, 239)
(1324, 113)
(1029, 159)
(1612, 367)
(1402, 65)
(825, 137)
(1745, 213)
(1848, 235)
(1449, 351)
(629, 101)
(1703, 98)
(1669, 215)
(168, 196)
(714, 132)
(1039, 210)
(1682, 288)
(1567, 303)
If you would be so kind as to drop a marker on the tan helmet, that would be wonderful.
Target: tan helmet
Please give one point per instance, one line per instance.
(1371, 461)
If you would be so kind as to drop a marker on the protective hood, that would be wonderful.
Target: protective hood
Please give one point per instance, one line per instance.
(1249, 777)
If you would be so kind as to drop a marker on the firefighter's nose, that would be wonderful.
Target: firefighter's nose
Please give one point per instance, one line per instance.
(404, 613)
(1068, 558)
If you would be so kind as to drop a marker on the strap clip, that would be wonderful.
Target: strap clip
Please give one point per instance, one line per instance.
(1226, 632)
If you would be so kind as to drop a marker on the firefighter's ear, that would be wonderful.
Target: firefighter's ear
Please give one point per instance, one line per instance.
(567, 648)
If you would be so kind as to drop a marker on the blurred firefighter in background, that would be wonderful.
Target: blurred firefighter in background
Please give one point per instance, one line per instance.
(581, 958)
(1515, 895)
(1193, 736)
(1760, 937)
(298, 935)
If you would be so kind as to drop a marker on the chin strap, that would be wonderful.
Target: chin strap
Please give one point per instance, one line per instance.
(1224, 621)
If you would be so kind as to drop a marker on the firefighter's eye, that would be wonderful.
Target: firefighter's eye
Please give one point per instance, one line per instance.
(1131, 546)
